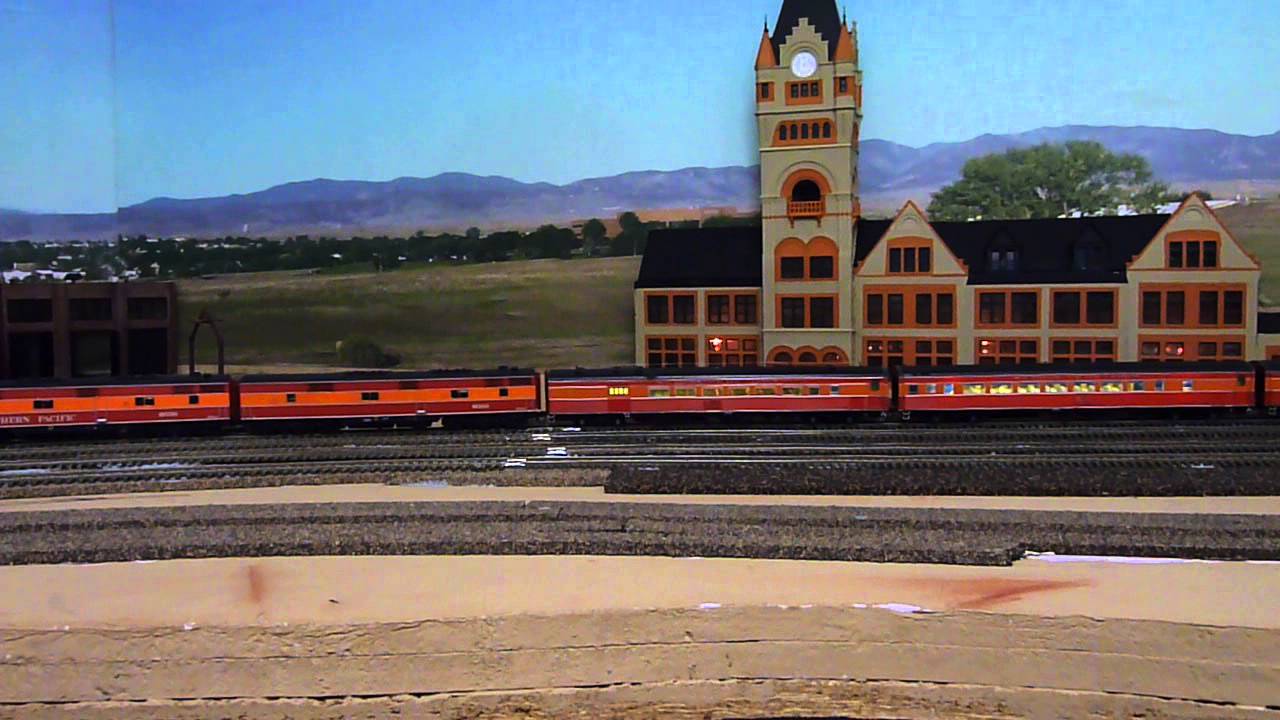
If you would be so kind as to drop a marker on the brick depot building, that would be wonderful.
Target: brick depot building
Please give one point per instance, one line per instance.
(817, 284)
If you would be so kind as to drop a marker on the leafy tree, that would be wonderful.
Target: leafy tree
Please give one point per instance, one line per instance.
(593, 236)
(732, 221)
(1048, 181)
(632, 239)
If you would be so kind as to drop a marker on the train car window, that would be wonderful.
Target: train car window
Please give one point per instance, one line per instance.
(143, 401)
(616, 391)
(949, 389)
(42, 405)
(739, 391)
(1002, 389)
(291, 398)
(1159, 386)
(504, 392)
(835, 389)
(1113, 387)
(372, 396)
(764, 391)
(1086, 387)
(875, 386)
(660, 392)
(931, 389)
(1055, 388)
(685, 392)
(811, 390)
(1188, 385)
(193, 399)
(975, 389)
(791, 390)
(913, 389)
(1028, 389)
(1241, 381)
(458, 394)
(1140, 386)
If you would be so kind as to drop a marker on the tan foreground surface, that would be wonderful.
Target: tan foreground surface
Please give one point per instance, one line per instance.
(590, 637)
(412, 493)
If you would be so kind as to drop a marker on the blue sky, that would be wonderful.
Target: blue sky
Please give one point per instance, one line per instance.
(213, 98)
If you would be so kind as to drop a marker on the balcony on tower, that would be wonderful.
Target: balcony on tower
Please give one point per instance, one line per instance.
(806, 201)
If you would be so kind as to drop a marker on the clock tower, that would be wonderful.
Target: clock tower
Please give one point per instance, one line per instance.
(808, 111)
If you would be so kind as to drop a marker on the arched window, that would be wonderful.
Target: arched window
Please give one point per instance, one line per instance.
(826, 129)
(804, 132)
(806, 191)
(807, 358)
(832, 358)
(795, 131)
(782, 358)
(817, 128)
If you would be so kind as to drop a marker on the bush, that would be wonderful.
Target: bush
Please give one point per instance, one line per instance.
(364, 353)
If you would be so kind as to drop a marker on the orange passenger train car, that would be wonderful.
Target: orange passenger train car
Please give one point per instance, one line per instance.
(721, 391)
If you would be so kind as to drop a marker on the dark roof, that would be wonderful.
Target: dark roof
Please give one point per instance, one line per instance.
(639, 372)
(1046, 247)
(822, 15)
(115, 381)
(1104, 368)
(1269, 323)
(702, 257)
(866, 235)
(392, 375)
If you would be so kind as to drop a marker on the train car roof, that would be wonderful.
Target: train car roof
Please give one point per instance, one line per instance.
(1070, 368)
(115, 381)
(654, 373)
(361, 375)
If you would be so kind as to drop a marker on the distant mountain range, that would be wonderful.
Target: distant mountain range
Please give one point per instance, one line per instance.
(891, 173)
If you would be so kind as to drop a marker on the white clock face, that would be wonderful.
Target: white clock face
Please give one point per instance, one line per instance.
(804, 64)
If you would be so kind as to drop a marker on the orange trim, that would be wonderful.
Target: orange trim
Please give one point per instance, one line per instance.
(734, 299)
(1196, 237)
(790, 133)
(909, 293)
(808, 311)
(1191, 304)
(1084, 308)
(1008, 309)
(914, 244)
(850, 84)
(796, 177)
(877, 351)
(1093, 355)
(812, 87)
(671, 307)
(1272, 352)
(1191, 349)
(990, 348)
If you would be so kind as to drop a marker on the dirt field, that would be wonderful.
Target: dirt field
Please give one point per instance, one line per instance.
(636, 638)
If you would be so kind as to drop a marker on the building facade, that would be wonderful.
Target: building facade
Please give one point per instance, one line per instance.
(69, 330)
(817, 284)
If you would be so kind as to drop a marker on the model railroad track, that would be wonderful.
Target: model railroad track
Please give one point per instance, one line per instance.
(787, 532)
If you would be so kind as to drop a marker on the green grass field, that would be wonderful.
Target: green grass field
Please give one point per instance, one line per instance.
(544, 313)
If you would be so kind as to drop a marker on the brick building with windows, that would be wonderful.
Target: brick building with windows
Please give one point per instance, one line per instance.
(817, 284)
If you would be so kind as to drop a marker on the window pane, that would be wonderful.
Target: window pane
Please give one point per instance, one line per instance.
(744, 309)
(822, 268)
(924, 309)
(1029, 347)
(1101, 308)
(991, 308)
(1105, 348)
(792, 268)
(657, 313)
(1233, 307)
(925, 263)
(1150, 308)
(1208, 350)
(1208, 307)
(1066, 308)
(683, 310)
(1083, 347)
(875, 309)
(895, 309)
(1193, 254)
(895, 260)
(924, 346)
(793, 312)
(1175, 308)
(1211, 254)
(1025, 308)
(1008, 347)
(717, 308)
(909, 260)
(1232, 349)
(946, 309)
(822, 312)
(1061, 347)
(1175, 254)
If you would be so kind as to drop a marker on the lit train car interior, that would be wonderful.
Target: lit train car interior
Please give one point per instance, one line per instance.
(703, 391)
(114, 401)
(370, 396)
(1078, 387)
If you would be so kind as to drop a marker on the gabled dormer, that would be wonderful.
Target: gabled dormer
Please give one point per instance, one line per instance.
(1193, 240)
(909, 247)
